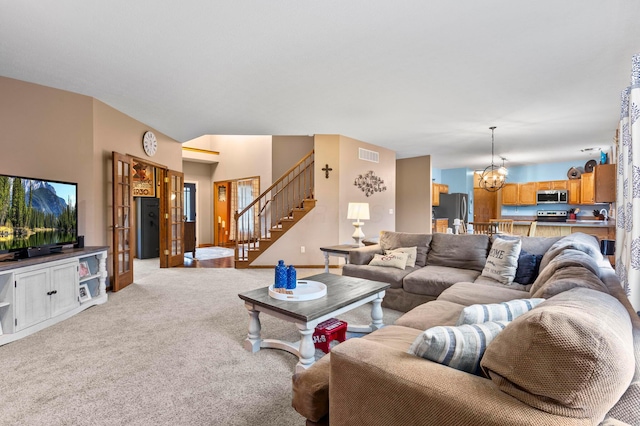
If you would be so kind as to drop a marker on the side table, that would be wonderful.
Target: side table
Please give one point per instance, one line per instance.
(342, 250)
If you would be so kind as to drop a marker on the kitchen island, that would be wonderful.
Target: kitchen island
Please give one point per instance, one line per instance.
(602, 229)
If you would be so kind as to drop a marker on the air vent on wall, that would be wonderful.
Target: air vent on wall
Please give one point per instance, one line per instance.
(367, 155)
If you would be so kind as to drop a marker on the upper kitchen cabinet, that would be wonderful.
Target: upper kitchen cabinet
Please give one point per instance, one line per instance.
(599, 186)
(573, 186)
(552, 184)
(436, 190)
(519, 194)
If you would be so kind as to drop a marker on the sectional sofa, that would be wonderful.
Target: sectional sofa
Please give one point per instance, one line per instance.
(573, 358)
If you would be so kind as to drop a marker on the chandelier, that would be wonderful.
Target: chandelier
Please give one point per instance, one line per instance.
(493, 178)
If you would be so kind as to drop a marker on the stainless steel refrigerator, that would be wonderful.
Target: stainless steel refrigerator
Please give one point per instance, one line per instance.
(453, 206)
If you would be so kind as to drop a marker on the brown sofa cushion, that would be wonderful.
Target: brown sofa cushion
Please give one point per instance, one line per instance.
(534, 245)
(427, 315)
(571, 355)
(466, 251)
(393, 276)
(433, 280)
(390, 240)
(465, 293)
(311, 387)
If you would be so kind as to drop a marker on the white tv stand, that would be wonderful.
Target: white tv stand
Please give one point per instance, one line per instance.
(38, 292)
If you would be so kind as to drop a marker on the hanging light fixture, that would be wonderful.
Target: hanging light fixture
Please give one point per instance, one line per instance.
(493, 178)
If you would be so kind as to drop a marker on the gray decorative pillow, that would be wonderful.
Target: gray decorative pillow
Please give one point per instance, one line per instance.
(459, 347)
(505, 311)
(395, 260)
(412, 254)
(502, 261)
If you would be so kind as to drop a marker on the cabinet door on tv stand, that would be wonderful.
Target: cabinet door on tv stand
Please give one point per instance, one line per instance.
(64, 282)
(32, 302)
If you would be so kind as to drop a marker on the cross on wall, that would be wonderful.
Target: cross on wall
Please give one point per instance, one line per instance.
(326, 169)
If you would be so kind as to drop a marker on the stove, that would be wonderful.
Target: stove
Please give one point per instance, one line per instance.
(552, 216)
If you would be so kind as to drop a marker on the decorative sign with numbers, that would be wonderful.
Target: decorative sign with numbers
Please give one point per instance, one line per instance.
(143, 180)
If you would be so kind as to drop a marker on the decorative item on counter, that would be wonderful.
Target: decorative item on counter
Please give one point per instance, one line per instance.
(572, 214)
(291, 277)
(456, 226)
(281, 275)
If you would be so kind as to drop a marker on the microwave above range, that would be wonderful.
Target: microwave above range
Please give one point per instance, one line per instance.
(553, 196)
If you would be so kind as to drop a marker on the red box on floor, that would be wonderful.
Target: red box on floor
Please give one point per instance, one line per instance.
(327, 331)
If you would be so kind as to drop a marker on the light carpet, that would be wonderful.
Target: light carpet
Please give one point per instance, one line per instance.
(207, 253)
(166, 350)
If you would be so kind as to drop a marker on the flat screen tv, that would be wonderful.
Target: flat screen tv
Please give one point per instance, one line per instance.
(36, 216)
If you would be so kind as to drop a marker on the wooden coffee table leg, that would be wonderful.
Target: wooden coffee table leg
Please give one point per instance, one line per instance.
(253, 341)
(307, 349)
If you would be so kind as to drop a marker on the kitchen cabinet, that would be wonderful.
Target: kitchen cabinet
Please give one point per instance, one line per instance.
(436, 190)
(605, 183)
(552, 184)
(587, 188)
(519, 194)
(510, 194)
(599, 186)
(440, 225)
(573, 186)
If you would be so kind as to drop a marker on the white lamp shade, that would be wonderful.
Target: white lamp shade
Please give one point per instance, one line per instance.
(358, 211)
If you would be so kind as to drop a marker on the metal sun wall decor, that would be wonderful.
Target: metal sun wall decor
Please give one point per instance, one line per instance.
(370, 183)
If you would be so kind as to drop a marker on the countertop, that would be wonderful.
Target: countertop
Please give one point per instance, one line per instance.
(572, 223)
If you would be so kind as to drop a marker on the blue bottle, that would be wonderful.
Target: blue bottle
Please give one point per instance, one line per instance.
(281, 275)
(291, 277)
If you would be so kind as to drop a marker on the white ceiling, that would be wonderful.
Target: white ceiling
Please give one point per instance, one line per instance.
(416, 76)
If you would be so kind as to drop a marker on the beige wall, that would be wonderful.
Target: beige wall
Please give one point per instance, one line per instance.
(381, 204)
(287, 151)
(327, 224)
(413, 194)
(115, 131)
(53, 134)
(239, 157)
(47, 133)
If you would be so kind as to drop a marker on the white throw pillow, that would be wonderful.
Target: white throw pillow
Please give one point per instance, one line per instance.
(395, 260)
(502, 262)
(505, 311)
(412, 253)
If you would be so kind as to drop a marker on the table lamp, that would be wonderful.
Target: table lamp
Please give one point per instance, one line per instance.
(358, 212)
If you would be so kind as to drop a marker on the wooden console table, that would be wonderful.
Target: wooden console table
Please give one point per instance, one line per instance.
(342, 250)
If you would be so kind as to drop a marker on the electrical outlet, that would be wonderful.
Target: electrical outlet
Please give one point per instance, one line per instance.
(302, 249)
(390, 211)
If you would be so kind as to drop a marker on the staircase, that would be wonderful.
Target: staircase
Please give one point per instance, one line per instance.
(274, 212)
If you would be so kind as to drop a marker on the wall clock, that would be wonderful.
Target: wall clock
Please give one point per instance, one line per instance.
(149, 143)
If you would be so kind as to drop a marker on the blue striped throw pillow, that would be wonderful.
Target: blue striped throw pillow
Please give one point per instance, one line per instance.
(505, 311)
(458, 347)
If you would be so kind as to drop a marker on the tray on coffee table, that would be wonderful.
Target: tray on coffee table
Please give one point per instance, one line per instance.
(305, 290)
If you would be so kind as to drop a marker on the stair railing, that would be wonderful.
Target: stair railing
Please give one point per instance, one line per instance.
(274, 206)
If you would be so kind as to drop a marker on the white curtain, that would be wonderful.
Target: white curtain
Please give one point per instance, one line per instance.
(628, 189)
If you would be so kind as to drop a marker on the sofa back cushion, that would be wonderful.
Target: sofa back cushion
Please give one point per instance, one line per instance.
(390, 240)
(568, 269)
(577, 241)
(466, 251)
(534, 245)
(571, 355)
